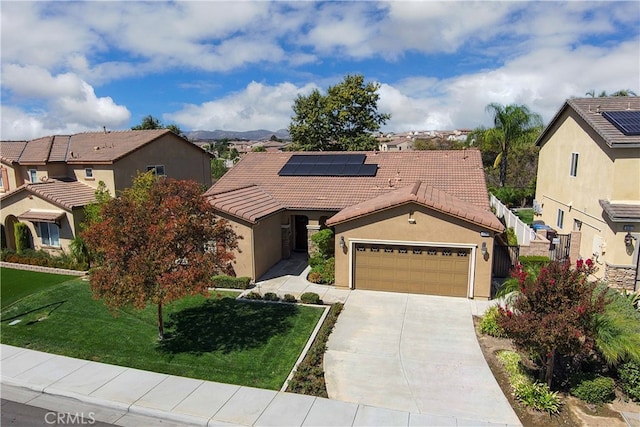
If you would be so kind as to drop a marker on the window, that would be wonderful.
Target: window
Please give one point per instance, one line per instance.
(417, 251)
(49, 234)
(574, 164)
(158, 170)
(88, 173)
(446, 252)
(462, 253)
(33, 175)
(560, 220)
(1, 181)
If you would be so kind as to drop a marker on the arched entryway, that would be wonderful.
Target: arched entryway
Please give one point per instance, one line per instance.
(10, 237)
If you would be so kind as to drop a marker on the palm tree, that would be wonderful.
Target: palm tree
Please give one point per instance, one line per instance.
(622, 92)
(513, 124)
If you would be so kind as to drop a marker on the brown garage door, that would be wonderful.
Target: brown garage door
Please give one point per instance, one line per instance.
(413, 269)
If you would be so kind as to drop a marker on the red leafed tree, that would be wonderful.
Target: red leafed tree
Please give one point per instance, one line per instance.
(157, 242)
(554, 313)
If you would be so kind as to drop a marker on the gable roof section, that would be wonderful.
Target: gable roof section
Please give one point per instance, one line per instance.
(590, 110)
(249, 203)
(10, 151)
(457, 172)
(424, 195)
(82, 148)
(65, 194)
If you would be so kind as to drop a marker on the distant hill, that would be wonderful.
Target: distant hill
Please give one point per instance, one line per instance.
(251, 135)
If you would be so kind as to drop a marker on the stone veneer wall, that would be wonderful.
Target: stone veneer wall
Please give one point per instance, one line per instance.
(537, 247)
(620, 277)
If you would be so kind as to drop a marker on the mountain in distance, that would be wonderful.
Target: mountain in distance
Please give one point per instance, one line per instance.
(251, 135)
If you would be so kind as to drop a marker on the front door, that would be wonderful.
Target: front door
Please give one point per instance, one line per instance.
(301, 243)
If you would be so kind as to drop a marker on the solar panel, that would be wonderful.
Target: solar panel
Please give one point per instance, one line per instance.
(627, 122)
(328, 165)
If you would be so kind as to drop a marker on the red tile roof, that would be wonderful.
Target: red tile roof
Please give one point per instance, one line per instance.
(10, 151)
(621, 212)
(66, 194)
(458, 173)
(424, 195)
(249, 203)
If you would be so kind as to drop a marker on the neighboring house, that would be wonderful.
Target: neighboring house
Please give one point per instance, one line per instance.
(588, 183)
(46, 182)
(396, 144)
(403, 221)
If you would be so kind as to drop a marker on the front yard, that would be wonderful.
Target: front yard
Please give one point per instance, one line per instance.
(217, 338)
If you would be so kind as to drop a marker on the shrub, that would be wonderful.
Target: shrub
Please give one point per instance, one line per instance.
(309, 377)
(533, 261)
(253, 295)
(323, 240)
(22, 236)
(329, 271)
(594, 389)
(310, 298)
(489, 323)
(315, 261)
(512, 239)
(618, 329)
(535, 395)
(270, 296)
(289, 298)
(629, 374)
(228, 282)
(315, 276)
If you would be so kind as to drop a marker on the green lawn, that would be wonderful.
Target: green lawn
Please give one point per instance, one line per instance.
(16, 284)
(525, 215)
(218, 338)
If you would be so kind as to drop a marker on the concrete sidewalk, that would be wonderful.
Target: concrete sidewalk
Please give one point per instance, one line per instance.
(126, 396)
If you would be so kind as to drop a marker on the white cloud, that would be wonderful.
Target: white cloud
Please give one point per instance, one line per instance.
(258, 106)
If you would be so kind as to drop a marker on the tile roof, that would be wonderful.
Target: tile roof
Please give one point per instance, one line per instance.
(38, 215)
(249, 203)
(90, 147)
(456, 172)
(10, 151)
(621, 212)
(425, 195)
(66, 194)
(591, 109)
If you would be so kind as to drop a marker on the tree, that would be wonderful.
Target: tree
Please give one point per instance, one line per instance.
(218, 168)
(158, 242)
(513, 125)
(343, 119)
(150, 122)
(621, 92)
(554, 313)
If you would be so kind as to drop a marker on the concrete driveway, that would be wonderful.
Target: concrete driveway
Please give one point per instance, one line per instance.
(414, 353)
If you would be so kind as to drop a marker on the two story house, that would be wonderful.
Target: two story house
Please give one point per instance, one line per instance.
(588, 183)
(46, 182)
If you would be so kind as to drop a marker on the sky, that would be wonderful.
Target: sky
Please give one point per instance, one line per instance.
(69, 67)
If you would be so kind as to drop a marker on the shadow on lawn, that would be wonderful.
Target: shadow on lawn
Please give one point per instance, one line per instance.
(225, 325)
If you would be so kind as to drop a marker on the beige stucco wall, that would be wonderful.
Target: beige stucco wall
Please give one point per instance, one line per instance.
(267, 243)
(243, 262)
(21, 202)
(603, 173)
(430, 227)
(181, 160)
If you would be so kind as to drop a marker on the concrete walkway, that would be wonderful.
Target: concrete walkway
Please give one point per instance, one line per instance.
(414, 353)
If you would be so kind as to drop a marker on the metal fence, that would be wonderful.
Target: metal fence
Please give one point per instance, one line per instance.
(524, 234)
(505, 259)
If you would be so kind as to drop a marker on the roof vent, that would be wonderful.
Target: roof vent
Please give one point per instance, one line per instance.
(96, 148)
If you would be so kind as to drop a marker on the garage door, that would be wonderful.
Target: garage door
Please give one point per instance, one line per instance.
(413, 269)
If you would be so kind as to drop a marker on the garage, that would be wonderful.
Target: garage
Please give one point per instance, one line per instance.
(411, 268)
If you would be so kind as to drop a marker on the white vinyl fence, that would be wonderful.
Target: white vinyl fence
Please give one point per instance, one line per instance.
(524, 234)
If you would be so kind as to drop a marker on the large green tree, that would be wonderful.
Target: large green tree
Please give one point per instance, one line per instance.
(157, 242)
(512, 125)
(150, 122)
(342, 120)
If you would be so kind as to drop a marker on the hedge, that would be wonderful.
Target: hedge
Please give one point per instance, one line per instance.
(228, 282)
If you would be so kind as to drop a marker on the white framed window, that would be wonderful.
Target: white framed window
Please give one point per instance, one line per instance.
(49, 234)
(88, 173)
(33, 175)
(574, 164)
(560, 220)
(158, 170)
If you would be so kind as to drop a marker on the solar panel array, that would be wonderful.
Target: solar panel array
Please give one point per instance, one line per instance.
(627, 122)
(328, 165)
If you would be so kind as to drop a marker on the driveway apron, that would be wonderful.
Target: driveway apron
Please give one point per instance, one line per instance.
(415, 353)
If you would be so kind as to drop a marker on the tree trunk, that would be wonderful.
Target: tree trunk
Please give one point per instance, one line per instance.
(549, 373)
(503, 167)
(160, 323)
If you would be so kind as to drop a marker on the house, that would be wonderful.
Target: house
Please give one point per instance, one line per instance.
(588, 183)
(46, 182)
(403, 221)
(396, 144)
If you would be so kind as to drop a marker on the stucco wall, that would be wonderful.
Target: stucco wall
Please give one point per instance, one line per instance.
(180, 159)
(603, 173)
(267, 243)
(430, 227)
(243, 262)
